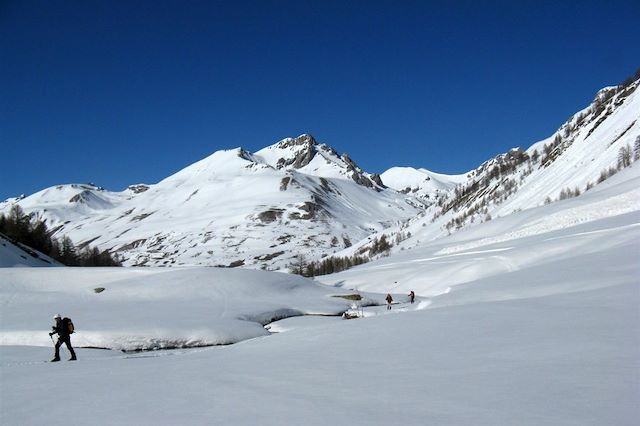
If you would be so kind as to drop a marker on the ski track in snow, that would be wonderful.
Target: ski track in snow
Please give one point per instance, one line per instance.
(597, 231)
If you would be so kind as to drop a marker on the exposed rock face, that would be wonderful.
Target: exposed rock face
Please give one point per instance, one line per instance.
(137, 189)
(271, 215)
(306, 150)
(299, 141)
(357, 174)
(305, 154)
(244, 154)
(81, 197)
(378, 180)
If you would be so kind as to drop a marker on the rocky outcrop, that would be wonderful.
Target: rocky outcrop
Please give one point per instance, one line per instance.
(305, 146)
(137, 189)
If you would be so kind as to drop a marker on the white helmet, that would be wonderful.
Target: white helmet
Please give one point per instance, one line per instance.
(57, 317)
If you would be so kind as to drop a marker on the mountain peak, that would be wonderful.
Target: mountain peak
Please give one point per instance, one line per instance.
(304, 139)
(290, 152)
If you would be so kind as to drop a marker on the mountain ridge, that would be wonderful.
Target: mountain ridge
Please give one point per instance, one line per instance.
(232, 208)
(300, 197)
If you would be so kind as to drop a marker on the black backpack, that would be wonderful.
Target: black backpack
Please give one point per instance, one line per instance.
(67, 325)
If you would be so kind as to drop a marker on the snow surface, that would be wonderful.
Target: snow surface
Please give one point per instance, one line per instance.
(510, 244)
(13, 255)
(155, 308)
(421, 181)
(528, 319)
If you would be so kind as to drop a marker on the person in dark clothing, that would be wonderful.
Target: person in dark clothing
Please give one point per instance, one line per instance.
(389, 299)
(412, 296)
(62, 330)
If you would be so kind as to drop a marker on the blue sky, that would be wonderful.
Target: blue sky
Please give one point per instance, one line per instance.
(124, 92)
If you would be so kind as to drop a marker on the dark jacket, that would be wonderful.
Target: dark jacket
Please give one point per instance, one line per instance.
(62, 328)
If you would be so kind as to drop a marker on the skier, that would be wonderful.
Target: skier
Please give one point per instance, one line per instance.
(63, 330)
(389, 299)
(412, 296)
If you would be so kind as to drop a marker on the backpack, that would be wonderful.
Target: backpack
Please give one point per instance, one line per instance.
(68, 325)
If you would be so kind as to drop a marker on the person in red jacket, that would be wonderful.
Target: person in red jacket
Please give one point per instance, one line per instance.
(389, 299)
(64, 336)
(412, 296)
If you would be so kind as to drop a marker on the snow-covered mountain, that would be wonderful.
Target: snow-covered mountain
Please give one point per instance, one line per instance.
(299, 197)
(591, 146)
(233, 208)
(422, 183)
(573, 158)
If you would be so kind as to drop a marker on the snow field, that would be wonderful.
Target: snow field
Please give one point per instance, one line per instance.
(541, 327)
(144, 308)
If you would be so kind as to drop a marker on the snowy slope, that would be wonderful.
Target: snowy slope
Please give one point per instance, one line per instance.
(608, 216)
(575, 158)
(593, 148)
(421, 182)
(17, 255)
(527, 319)
(587, 144)
(232, 208)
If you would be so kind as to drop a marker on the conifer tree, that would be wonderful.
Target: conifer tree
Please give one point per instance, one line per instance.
(624, 157)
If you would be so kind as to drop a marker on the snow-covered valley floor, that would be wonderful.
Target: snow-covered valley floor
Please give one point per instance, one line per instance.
(529, 319)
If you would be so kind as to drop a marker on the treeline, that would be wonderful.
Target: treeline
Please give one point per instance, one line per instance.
(332, 264)
(326, 266)
(625, 157)
(22, 228)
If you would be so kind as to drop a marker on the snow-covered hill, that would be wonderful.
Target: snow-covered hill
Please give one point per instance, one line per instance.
(232, 208)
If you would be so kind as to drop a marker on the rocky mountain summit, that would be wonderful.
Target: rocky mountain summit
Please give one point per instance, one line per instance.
(233, 208)
(308, 156)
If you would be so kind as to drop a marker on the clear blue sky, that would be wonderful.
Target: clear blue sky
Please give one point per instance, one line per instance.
(124, 92)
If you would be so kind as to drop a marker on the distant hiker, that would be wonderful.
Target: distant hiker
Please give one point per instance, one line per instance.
(63, 328)
(389, 299)
(412, 296)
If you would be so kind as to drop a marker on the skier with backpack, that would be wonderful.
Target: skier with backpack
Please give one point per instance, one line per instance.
(389, 299)
(63, 328)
